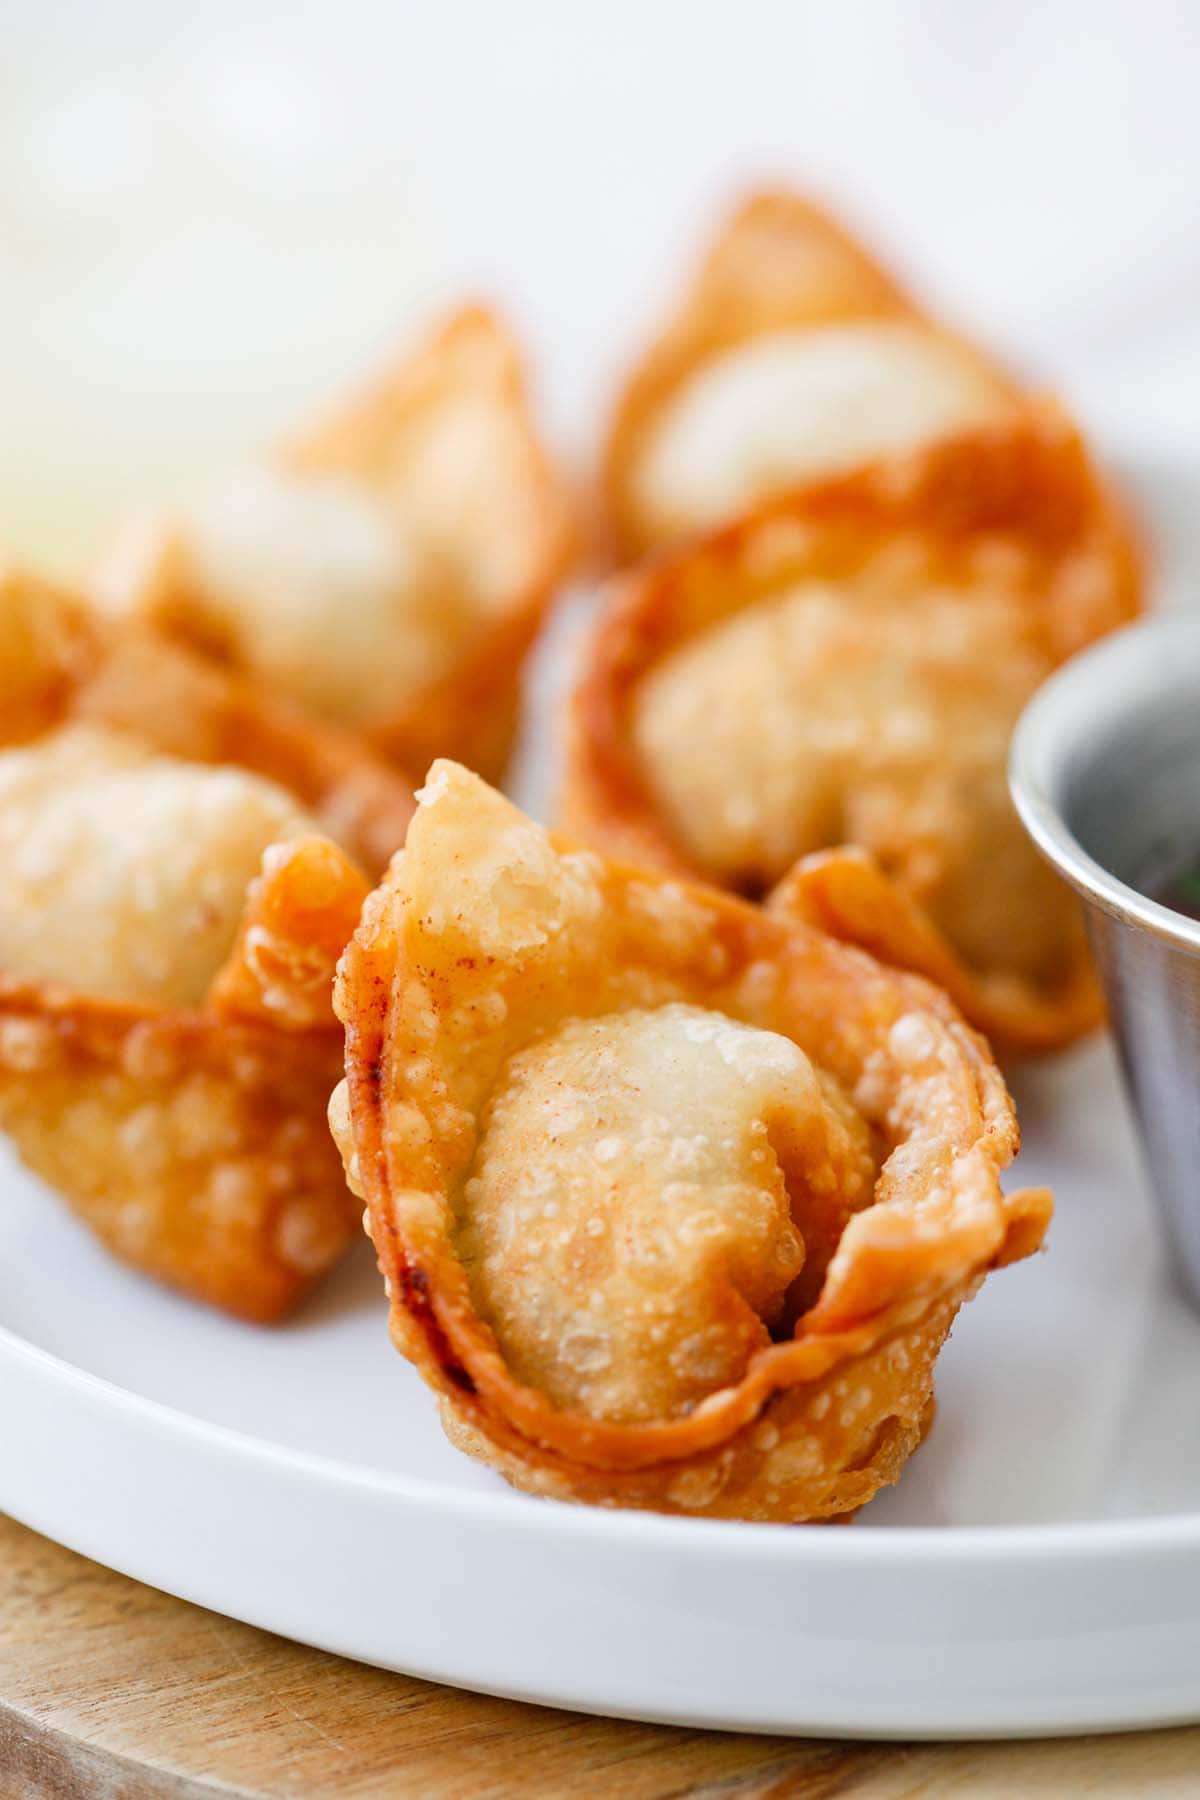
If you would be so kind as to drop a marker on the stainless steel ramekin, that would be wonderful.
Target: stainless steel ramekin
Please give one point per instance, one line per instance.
(1105, 773)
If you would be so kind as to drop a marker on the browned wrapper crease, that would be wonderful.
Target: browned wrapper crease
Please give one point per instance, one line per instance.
(300, 915)
(1019, 498)
(845, 893)
(470, 711)
(486, 937)
(193, 1140)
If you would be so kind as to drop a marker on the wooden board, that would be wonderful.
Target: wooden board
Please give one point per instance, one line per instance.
(111, 1691)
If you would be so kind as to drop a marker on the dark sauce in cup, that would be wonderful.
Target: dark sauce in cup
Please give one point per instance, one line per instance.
(1179, 888)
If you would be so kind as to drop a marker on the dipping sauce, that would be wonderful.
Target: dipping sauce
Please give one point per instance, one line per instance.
(1180, 889)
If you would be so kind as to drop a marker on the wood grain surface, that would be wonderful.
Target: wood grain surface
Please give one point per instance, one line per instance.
(111, 1691)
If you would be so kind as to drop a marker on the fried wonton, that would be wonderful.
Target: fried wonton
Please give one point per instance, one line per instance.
(794, 357)
(61, 662)
(167, 1040)
(845, 667)
(676, 1199)
(387, 572)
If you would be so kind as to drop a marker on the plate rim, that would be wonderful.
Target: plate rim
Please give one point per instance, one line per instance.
(1029, 1542)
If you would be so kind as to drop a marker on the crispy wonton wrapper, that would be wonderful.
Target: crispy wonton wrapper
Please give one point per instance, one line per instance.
(676, 1198)
(59, 662)
(848, 370)
(192, 1139)
(942, 587)
(443, 448)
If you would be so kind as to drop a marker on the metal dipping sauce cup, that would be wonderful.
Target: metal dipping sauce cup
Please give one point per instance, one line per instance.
(1105, 774)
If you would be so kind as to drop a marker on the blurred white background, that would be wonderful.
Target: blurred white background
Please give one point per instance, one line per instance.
(211, 216)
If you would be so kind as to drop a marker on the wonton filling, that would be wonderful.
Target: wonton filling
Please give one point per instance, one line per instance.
(818, 718)
(797, 404)
(123, 873)
(315, 584)
(654, 1192)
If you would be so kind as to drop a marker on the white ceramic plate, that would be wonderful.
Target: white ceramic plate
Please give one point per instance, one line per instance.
(1037, 1569)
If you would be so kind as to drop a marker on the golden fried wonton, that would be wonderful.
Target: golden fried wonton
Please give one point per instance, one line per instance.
(845, 667)
(167, 1040)
(793, 358)
(386, 573)
(676, 1199)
